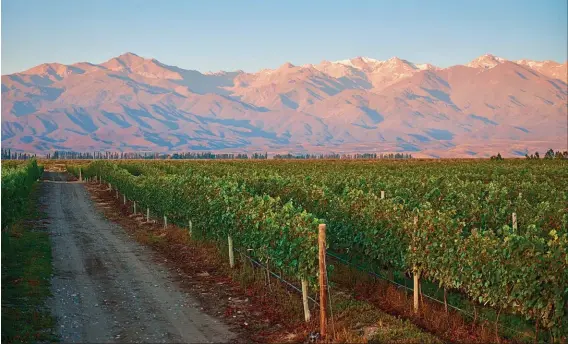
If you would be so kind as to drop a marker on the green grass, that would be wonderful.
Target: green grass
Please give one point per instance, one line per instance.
(381, 327)
(26, 275)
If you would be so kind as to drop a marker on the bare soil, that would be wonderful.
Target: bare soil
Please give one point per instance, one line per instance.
(108, 288)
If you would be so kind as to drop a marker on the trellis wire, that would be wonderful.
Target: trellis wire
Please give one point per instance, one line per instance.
(280, 278)
(374, 274)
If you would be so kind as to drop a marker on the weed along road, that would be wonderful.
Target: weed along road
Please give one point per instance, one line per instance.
(106, 287)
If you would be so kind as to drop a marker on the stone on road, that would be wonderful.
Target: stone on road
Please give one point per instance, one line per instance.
(106, 287)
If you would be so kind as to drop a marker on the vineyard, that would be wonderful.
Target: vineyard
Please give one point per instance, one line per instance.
(495, 232)
(17, 180)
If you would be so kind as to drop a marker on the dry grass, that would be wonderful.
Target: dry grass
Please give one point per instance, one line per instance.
(432, 317)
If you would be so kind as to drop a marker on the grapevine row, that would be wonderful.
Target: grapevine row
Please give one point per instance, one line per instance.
(279, 233)
(463, 239)
(17, 181)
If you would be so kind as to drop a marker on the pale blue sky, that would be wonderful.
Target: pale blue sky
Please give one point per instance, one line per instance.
(251, 35)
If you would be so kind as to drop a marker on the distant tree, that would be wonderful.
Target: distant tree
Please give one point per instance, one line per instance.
(549, 154)
(536, 155)
(497, 157)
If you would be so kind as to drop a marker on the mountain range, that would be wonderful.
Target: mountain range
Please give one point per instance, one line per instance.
(130, 103)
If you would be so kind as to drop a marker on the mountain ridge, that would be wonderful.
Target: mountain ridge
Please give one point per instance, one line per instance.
(133, 103)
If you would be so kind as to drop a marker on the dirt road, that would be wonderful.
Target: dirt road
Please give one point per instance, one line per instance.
(106, 287)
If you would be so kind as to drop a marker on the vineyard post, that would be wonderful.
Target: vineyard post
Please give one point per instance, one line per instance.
(134, 207)
(515, 222)
(190, 228)
(416, 289)
(322, 281)
(148, 215)
(165, 222)
(416, 275)
(116, 193)
(307, 315)
(110, 186)
(446, 299)
(231, 253)
(123, 199)
(382, 195)
(80, 175)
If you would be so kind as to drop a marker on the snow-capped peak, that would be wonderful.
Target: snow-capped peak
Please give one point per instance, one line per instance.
(425, 66)
(486, 61)
(353, 62)
(344, 62)
(531, 63)
(370, 60)
(366, 63)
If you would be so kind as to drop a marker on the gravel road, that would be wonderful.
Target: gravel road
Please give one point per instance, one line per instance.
(106, 287)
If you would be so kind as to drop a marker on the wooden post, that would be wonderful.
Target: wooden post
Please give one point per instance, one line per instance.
(382, 195)
(515, 221)
(147, 214)
(231, 253)
(123, 199)
(190, 228)
(165, 222)
(307, 315)
(80, 175)
(446, 300)
(116, 193)
(110, 186)
(322, 281)
(416, 290)
(134, 207)
(416, 275)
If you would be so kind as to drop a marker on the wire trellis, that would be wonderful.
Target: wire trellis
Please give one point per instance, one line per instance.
(376, 275)
(278, 277)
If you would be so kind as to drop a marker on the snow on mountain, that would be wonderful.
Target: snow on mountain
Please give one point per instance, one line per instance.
(486, 61)
(551, 69)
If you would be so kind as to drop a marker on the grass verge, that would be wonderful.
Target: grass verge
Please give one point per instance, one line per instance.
(26, 276)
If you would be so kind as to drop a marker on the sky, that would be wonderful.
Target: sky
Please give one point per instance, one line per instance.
(252, 35)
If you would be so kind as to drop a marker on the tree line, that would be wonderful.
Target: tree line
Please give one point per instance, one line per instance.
(7, 154)
(550, 154)
(70, 155)
(344, 156)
